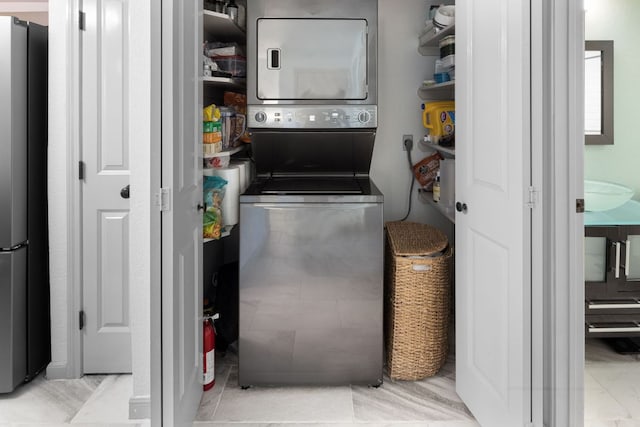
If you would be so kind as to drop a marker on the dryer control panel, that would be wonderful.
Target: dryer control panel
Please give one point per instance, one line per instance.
(312, 117)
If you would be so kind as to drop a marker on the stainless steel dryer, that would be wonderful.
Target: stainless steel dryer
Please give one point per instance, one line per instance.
(311, 224)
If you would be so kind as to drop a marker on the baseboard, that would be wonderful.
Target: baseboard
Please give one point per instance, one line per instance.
(57, 371)
(139, 407)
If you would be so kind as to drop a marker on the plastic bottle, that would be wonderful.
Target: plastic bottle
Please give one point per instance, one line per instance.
(232, 10)
(436, 188)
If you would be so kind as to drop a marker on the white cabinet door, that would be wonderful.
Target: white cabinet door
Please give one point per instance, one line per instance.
(181, 218)
(105, 214)
(493, 361)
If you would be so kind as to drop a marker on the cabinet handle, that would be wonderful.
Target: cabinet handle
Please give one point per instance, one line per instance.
(609, 306)
(627, 258)
(597, 329)
(617, 268)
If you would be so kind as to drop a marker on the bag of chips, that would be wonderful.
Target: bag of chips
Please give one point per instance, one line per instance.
(213, 189)
(426, 170)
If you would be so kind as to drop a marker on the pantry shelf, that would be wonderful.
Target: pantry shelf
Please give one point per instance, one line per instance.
(219, 27)
(449, 213)
(448, 151)
(446, 90)
(226, 232)
(428, 42)
(225, 82)
(230, 152)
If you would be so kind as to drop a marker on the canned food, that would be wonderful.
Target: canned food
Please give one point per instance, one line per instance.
(447, 46)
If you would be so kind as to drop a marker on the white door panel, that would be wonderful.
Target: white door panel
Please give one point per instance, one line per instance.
(114, 254)
(105, 153)
(182, 221)
(492, 236)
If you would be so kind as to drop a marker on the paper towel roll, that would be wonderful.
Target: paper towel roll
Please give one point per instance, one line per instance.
(249, 171)
(243, 165)
(231, 202)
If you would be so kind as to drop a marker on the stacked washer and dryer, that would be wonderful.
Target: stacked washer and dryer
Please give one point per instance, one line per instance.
(311, 235)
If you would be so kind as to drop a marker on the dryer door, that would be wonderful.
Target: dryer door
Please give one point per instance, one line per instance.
(312, 59)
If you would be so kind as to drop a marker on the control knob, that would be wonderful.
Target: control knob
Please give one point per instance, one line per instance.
(364, 116)
(260, 117)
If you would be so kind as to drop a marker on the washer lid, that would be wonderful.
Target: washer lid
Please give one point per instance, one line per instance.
(313, 152)
(311, 185)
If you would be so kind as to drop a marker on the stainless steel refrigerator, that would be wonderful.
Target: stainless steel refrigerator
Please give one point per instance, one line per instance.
(25, 345)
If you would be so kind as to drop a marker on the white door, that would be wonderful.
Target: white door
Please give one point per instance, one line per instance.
(181, 218)
(105, 214)
(493, 354)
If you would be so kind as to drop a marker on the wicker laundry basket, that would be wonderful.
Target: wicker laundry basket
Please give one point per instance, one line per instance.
(417, 294)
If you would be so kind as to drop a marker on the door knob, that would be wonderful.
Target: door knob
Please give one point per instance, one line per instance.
(461, 207)
(124, 193)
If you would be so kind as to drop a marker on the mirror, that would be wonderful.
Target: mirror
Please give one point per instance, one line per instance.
(598, 94)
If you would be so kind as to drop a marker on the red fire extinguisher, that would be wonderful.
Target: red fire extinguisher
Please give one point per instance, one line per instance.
(209, 369)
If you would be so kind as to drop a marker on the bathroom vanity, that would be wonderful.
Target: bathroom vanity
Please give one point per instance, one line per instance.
(612, 272)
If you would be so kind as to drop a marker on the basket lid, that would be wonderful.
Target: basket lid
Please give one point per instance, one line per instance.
(411, 238)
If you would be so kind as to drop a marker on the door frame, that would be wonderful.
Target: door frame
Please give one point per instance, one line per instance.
(155, 181)
(65, 215)
(65, 188)
(75, 215)
(559, 172)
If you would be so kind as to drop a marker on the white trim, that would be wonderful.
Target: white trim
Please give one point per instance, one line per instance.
(139, 407)
(576, 221)
(74, 190)
(538, 32)
(63, 201)
(156, 226)
(24, 6)
(563, 178)
(529, 226)
(57, 371)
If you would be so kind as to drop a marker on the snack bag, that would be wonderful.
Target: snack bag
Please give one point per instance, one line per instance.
(426, 170)
(211, 113)
(213, 189)
(211, 130)
(239, 102)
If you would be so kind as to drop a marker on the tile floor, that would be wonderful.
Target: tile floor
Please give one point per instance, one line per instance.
(612, 399)
(612, 387)
(428, 403)
(94, 400)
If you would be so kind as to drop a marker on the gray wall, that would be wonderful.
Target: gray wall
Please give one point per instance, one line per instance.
(401, 71)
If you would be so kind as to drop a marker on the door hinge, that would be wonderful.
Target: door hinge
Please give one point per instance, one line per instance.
(81, 170)
(580, 205)
(81, 319)
(82, 20)
(532, 199)
(163, 199)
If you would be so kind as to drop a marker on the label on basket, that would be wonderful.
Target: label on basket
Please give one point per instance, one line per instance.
(210, 367)
(421, 267)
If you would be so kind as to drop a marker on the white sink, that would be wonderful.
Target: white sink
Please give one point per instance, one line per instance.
(602, 195)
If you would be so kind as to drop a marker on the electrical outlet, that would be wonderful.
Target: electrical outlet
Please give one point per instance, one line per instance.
(407, 142)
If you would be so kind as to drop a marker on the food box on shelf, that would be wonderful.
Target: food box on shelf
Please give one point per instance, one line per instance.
(223, 49)
(235, 64)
